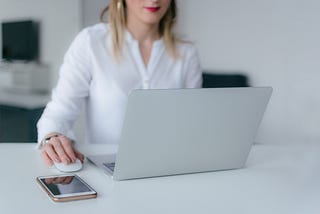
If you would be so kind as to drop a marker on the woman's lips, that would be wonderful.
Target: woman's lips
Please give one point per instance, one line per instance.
(152, 9)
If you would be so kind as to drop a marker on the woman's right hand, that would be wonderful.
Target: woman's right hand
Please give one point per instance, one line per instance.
(60, 149)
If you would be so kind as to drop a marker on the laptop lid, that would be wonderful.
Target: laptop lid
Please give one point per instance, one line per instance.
(169, 132)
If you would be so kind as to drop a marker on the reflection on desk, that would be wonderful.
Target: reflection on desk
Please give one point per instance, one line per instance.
(277, 179)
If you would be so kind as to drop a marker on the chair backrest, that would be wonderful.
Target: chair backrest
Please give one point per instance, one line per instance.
(218, 80)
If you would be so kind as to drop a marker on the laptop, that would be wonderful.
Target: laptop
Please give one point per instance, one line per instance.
(179, 131)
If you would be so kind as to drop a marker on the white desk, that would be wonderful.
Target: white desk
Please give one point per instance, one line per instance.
(277, 179)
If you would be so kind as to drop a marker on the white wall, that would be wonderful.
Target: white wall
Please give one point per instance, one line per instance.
(92, 10)
(60, 22)
(277, 43)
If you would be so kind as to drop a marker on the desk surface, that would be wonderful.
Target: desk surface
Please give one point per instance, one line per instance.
(277, 179)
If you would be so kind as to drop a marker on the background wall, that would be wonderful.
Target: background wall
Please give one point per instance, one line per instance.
(91, 11)
(276, 43)
(60, 22)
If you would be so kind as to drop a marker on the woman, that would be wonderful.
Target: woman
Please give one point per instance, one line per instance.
(137, 49)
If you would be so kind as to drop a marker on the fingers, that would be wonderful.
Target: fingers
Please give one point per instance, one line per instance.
(79, 155)
(59, 180)
(68, 180)
(68, 148)
(49, 151)
(49, 180)
(60, 149)
(62, 180)
(46, 158)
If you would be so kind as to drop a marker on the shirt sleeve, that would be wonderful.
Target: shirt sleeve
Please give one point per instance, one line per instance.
(193, 75)
(70, 92)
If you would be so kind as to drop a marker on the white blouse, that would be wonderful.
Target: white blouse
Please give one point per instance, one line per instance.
(89, 75)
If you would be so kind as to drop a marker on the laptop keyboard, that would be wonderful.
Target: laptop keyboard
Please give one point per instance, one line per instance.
(110, 166)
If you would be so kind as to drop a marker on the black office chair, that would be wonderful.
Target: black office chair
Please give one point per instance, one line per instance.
(219, 80)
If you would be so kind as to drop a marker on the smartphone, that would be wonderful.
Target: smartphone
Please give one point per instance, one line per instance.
(62, 188)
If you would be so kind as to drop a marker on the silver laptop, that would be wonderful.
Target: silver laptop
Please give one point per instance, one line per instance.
(170, 132)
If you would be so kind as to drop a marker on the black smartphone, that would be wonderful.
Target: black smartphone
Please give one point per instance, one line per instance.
(62, 188)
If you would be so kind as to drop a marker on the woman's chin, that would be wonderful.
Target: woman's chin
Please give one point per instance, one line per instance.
(152, 21)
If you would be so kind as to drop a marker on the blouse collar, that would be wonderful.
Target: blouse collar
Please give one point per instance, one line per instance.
(131, 40)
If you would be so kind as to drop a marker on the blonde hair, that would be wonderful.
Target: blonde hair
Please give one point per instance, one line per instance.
(117, 19)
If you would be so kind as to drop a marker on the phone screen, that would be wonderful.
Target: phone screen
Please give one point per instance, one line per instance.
(65, 185)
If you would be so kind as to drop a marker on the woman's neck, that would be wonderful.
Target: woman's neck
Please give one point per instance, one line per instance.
(143, 32)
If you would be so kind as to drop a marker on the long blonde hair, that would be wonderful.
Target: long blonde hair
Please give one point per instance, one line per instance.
(117, 19)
